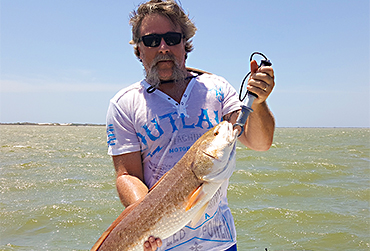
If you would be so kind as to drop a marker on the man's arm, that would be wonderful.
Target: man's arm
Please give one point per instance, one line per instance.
(259, 129)
(130, 186)
(129, 179)
(260, 126)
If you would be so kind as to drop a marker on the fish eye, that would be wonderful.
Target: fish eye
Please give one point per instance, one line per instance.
(216, 133)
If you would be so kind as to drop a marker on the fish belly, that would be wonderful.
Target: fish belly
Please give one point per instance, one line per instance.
(171, 222)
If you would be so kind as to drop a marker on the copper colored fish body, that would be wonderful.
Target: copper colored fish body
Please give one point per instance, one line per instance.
(179, 197)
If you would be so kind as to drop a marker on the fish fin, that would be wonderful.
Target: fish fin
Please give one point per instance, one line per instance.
(195, 197)
(198, 215)
(115, 223)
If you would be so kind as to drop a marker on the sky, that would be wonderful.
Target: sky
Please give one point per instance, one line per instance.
(63, 60)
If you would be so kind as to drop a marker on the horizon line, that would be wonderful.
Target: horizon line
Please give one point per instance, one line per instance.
(103, 124)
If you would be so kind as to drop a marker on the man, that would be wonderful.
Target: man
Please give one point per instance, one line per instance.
(152, 123)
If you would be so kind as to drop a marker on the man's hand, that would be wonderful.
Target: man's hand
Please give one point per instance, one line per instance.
(152, 244)
(259, 129)
(261, 81)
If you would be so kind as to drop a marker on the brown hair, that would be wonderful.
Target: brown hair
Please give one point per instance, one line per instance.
(169, 9)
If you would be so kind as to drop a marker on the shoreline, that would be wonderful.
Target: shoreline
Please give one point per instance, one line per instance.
(52, 124)
(92, 124)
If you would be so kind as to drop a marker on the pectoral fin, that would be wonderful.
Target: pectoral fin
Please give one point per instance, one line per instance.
(195, 197)
(198, 215)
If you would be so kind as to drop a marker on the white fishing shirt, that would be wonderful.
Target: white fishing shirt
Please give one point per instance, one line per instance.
(163, 130)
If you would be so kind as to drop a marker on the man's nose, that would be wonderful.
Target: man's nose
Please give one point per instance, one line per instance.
(163, 47)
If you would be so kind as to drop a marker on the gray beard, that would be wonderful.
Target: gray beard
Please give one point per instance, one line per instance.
(152, 76)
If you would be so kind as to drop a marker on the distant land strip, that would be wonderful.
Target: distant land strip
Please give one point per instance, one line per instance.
(92, 124)
(52, 124)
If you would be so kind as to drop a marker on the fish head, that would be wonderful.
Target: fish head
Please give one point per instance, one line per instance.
(215, 152)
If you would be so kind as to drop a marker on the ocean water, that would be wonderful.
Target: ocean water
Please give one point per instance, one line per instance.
(310, 191)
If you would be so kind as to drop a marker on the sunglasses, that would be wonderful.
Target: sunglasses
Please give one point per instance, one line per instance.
(154, 40)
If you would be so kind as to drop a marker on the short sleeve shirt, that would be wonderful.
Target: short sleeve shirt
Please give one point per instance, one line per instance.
(163, 130)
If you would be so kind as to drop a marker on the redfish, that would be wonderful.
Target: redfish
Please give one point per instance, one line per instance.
(181, 196)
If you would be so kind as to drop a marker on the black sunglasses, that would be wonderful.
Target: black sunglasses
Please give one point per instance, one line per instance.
(154, 40)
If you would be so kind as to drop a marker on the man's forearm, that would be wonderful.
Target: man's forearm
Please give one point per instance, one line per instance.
(130, 189)
(259, 129)
(129, 181)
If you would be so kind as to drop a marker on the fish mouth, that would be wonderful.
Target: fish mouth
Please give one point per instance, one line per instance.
(210, 155)
(224, 172)
(230, 139)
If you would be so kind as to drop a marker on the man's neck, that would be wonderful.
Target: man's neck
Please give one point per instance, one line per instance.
(175, 89)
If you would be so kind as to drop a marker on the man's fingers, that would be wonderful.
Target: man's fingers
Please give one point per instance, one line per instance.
(267, 70)
(254, 66)
(152, 244)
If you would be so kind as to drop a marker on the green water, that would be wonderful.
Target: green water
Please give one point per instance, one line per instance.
(310, 191)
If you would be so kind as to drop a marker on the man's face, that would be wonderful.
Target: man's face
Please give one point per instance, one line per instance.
(158, 24)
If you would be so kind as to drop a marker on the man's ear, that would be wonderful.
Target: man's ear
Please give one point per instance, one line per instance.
(139, 54)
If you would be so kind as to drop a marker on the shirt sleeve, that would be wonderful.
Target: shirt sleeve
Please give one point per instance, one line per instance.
(121, 134)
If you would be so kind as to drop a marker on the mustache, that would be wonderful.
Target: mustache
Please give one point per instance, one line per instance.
(163, 57)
